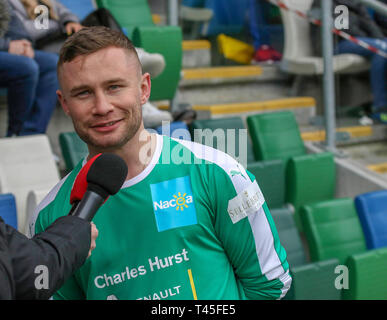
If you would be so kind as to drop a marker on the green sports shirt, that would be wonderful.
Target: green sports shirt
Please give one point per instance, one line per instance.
(192, 225)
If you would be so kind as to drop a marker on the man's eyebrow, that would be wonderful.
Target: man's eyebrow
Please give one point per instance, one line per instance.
(78, 89)
(115, 80)
(86, 87)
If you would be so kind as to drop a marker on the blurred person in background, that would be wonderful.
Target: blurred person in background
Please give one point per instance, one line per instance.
(28, 74)
(264, 52)
(363, 26)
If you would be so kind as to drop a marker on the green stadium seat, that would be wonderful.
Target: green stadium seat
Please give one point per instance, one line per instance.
(275, 135)
(270, 177)
(221, 130)
(310, 178)
(314, 281)
(310, 280)
(289, 236)
(129, 14)
(166, 40)
(73, 149)
(332, 229)
(367, 276)
(135, 18)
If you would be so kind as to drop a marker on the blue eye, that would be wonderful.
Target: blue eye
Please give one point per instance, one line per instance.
(114, 87)
(83, 93)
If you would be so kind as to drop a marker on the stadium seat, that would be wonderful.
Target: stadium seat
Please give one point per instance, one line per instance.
(270, 177)
(314, 281)
(129, 14)
(372, 210)
(290, 237)
(73, 149)
(34, 197)
(310, 280)
(26, 163)
(367, 276)
(223, 134)
(310, 178)
(81, 8)
(8, 211)
(298, 57)
(136, 18)
(332, 229)
(275, 135)
(177, 130)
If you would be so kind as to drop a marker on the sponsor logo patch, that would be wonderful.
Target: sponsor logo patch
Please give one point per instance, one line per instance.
(173, 203)
(247, 202)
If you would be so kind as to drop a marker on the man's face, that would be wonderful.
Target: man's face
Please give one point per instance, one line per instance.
(103, 94)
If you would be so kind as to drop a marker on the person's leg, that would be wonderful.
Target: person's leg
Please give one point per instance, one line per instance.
(19, 75)
(45, 98)
(378, 68)
(258, 11)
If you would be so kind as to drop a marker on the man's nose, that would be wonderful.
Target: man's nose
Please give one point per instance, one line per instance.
(102, 105)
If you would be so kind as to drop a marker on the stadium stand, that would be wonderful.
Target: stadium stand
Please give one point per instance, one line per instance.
(136, 18)
(309, 177)
(298, 57)
(372, 210)
(8, 211)
(332, 229)
(26, 164)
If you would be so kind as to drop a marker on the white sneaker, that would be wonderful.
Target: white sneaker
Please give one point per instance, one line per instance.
(153, 63)
(365, 121)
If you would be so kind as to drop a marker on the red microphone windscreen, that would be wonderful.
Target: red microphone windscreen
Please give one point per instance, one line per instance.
(80, 183)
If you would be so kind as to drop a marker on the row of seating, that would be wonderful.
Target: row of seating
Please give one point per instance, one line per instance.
(28, 171)
(334, 262)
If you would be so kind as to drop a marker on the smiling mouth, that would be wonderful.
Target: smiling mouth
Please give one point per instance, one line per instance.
(107, 124)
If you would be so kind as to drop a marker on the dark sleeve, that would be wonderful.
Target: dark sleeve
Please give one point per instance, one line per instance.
(42, 264)
(4, 44)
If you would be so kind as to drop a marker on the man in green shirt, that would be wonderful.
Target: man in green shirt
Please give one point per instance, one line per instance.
(189, 222)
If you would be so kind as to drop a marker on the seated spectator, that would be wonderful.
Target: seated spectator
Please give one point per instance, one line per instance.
(28, 74)
(264, 52)
(363, 26)
(62, 23)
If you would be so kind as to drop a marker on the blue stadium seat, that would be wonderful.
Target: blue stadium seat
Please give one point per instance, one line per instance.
(372, 210)
(177, 129)
(81, 8)
(8, 209)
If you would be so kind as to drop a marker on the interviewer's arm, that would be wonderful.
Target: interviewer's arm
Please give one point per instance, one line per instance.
(61, 249)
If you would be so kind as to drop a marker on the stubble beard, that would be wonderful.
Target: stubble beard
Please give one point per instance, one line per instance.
(133, 121)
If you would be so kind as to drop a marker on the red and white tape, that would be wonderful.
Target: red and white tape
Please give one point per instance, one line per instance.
(340, 33)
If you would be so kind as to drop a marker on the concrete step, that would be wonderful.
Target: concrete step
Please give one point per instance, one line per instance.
(302, 107)
(196, 53)
(232, 84)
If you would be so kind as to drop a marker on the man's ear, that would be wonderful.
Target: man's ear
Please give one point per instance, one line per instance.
(145, 87)
(62, 101)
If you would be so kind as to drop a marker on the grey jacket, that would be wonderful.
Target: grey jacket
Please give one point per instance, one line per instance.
(64, 14)
(11, 28)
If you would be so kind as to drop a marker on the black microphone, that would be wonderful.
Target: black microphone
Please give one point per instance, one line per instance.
(104, 178)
